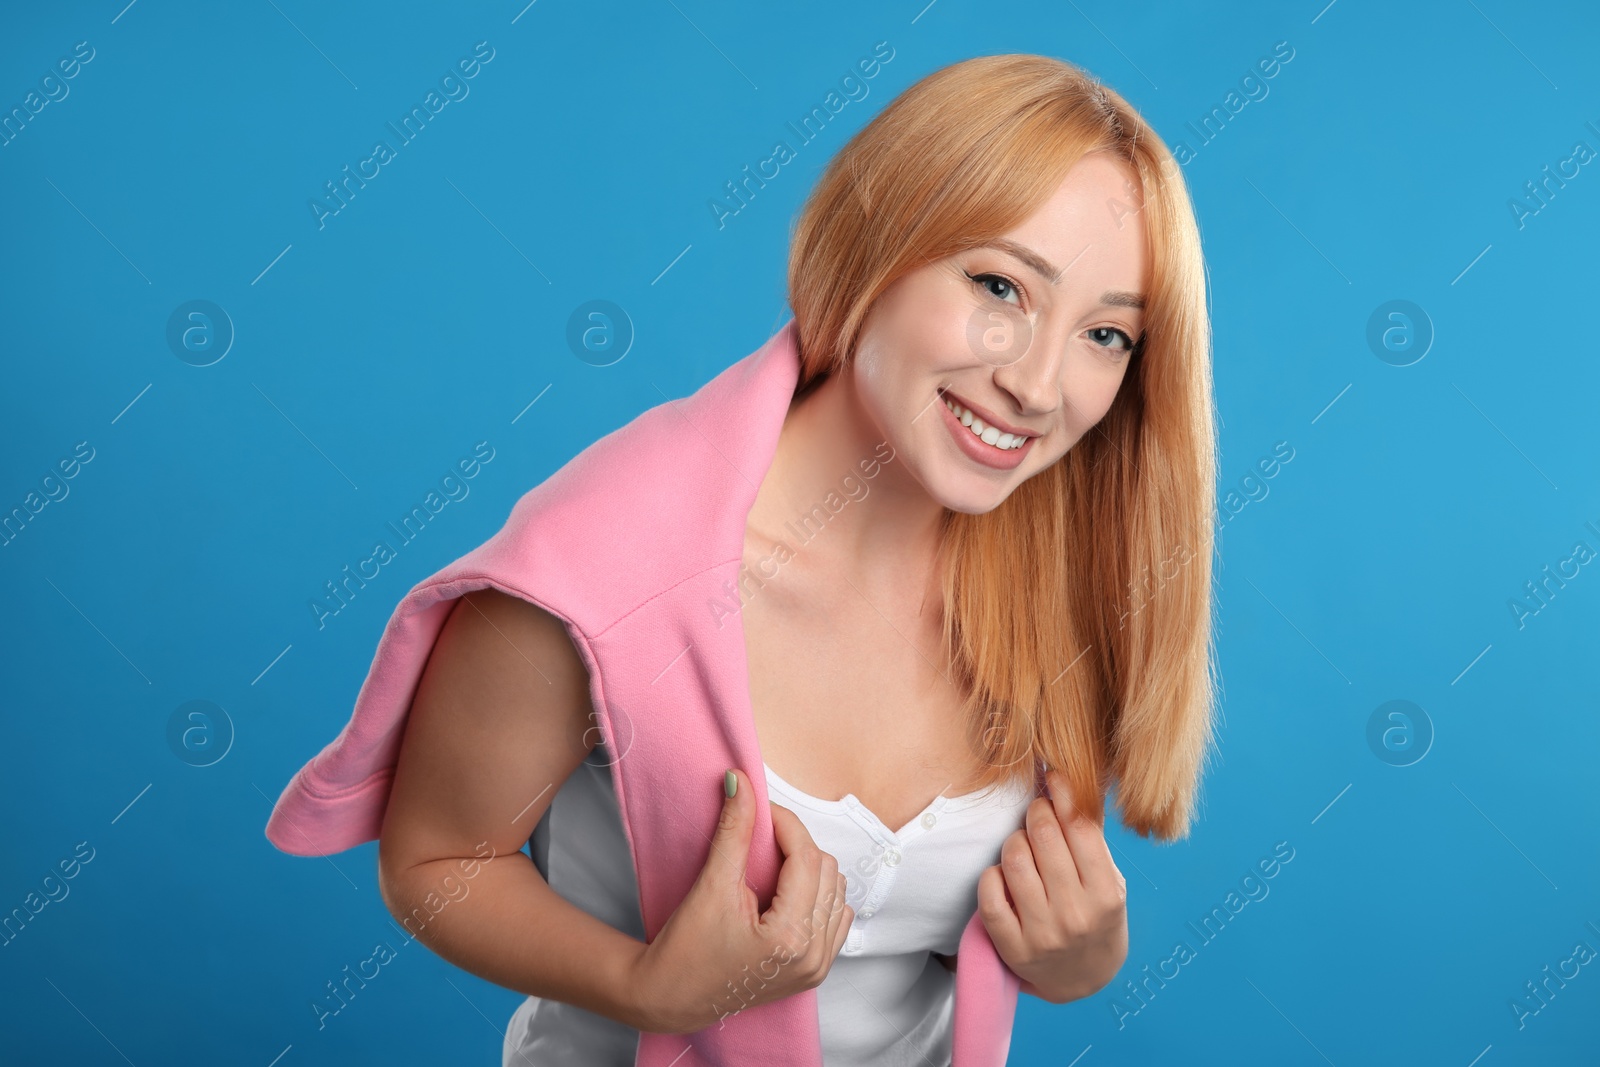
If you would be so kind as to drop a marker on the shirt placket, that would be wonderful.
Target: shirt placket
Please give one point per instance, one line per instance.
(891, 858)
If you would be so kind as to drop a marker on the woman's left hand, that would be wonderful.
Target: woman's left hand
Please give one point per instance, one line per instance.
(1064, 930)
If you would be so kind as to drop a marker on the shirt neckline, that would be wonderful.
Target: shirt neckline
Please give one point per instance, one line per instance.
(851, 803)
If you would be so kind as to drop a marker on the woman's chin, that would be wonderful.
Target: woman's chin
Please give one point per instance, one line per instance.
(969, 494)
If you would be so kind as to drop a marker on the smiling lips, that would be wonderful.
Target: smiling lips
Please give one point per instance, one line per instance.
(988, 444)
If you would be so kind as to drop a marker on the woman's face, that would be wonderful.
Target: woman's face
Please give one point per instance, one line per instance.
(1033, 333)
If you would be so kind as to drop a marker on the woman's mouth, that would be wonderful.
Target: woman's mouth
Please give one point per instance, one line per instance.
(988, 445)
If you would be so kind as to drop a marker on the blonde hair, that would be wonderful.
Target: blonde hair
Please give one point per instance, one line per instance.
(1108, 673)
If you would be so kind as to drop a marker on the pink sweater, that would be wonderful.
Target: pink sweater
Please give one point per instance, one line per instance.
(634, 544)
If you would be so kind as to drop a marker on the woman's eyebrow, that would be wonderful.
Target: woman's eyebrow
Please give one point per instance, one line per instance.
(1037, 263)
(1045, 269)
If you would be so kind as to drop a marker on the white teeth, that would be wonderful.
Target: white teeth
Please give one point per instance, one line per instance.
(989, 435)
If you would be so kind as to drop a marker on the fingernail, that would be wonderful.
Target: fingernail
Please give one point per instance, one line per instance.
(730, 784)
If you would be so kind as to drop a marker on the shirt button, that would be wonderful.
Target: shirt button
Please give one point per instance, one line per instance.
(892, 857)
(929, 819)
(866, 913)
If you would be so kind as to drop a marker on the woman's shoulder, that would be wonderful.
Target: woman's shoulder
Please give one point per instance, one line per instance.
(621, 520)
(632, 514)
(646, 506)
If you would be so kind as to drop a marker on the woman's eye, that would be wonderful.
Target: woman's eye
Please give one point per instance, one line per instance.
(1106, 333)
(989, 283)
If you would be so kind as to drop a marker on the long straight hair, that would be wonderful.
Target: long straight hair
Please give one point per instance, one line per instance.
(1077, 615)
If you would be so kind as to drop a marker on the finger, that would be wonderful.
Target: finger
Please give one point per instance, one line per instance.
(820, 925)
(1057, 868)
(824, 917)
(1086, 838)
(1018, 866)
(847, 918)
(730, 842)
(836, 906)
(998, 918)
(796, 894)
(836, 916)
(791, 832)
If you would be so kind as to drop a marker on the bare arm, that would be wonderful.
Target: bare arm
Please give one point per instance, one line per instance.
(501, 718)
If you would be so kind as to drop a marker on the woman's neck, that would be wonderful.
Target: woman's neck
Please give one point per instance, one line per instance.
(885, 530)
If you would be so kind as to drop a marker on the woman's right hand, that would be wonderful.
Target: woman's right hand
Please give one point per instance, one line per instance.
(718, 953)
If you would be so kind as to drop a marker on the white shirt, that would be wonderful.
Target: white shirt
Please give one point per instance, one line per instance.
(885, 1002)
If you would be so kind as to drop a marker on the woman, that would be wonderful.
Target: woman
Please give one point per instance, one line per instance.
(1000, 354)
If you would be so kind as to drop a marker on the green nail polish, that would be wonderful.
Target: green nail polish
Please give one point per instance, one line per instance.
(730, 784)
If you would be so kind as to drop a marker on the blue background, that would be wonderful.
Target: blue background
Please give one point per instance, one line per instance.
(431, 311)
